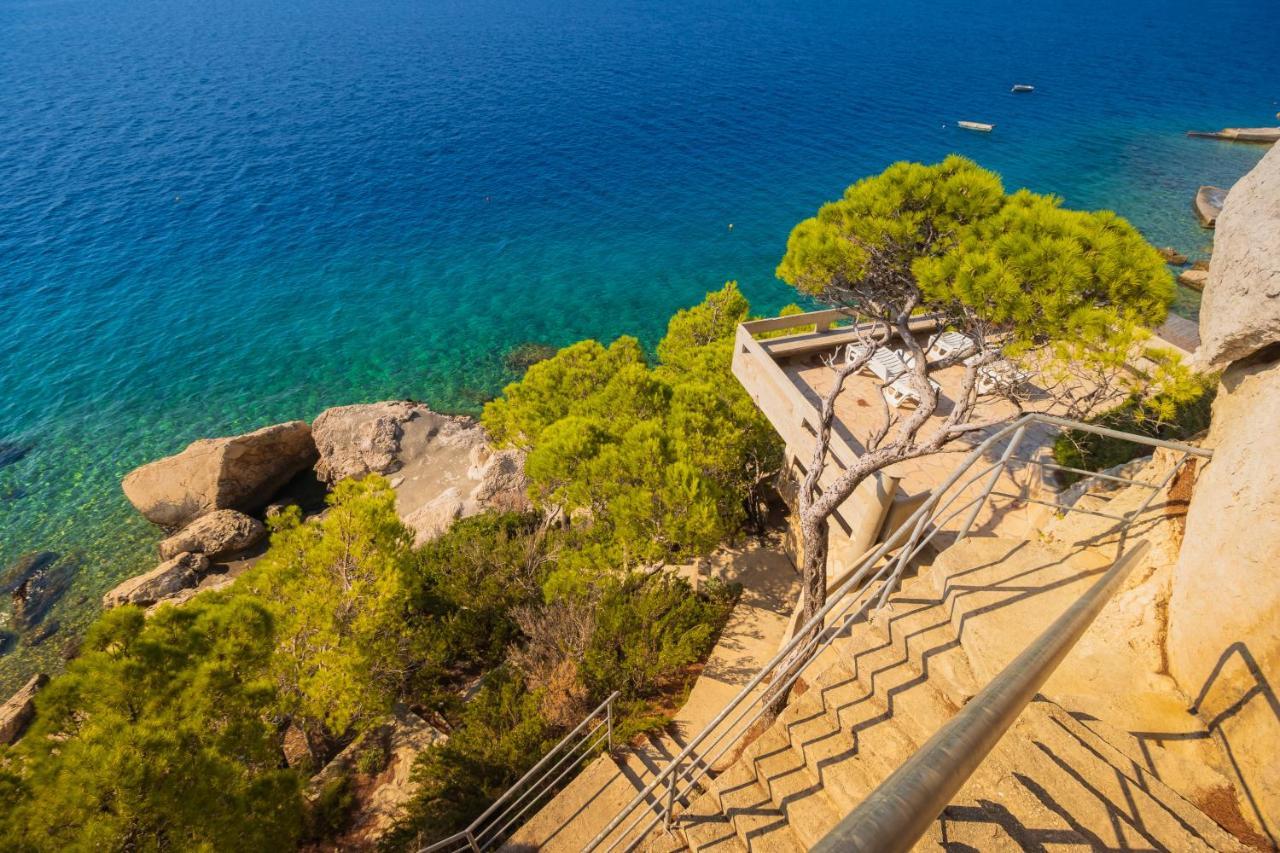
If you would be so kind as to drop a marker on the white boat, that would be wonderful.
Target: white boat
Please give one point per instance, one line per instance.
(977, 125)
(1022, 87)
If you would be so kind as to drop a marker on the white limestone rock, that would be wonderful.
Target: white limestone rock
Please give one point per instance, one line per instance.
(1240, 312)
(165, 580)
(219, 534)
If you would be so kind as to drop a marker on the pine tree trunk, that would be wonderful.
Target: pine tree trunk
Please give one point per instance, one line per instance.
(813, 537)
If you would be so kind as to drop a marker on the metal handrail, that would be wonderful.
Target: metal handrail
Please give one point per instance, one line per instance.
(491, 827)
(899, 811)
(680, 777)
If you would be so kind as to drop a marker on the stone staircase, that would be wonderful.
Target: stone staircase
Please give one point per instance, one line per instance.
(1061, 778)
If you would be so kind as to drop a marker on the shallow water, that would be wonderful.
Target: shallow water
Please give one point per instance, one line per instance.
(220, 214)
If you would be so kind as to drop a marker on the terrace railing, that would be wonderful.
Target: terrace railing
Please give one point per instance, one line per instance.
(868, 585)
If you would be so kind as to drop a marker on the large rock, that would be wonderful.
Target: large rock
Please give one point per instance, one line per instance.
(379, 438)
(240, 472)
(165, 580)
(441, 466)
(219, 534)
(18, 711)
(1223, 646)
(1240, 312)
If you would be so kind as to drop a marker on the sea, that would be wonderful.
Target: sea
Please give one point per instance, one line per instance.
(221, 214)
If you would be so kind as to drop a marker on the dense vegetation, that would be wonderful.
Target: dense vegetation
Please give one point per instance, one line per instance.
(166, 732)
(1172, 418)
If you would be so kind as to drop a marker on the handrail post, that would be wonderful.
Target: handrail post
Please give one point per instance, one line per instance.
(471, 841)
(608, 708)
(671, 796)
(992, 480)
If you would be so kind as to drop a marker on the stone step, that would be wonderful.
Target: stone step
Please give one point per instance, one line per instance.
(759, 824)
(704, 827)
(916, 624)
(1001, 593)
(1103, 789)
(1162, 737)
(892, 682)
(844, 737)
(792, 786)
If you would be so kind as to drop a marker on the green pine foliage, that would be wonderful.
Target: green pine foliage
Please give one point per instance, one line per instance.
(659, 458)
(338, 589)
(649, 629)
(1081, 287)
(158, 737)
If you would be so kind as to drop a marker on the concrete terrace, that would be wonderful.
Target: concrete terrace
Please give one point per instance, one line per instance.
(787, 377)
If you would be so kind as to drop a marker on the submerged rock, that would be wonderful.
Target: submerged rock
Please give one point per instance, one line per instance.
(12, 451)
(524, 356)
(240, 472)
(40, 590)
(222, 533)
(165, 580)
(17, 572)
(16, 713)
(1172, 256)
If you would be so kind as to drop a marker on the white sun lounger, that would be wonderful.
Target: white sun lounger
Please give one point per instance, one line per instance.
(949, 344)
(900, 391)
(886, 364)
(1002, 375)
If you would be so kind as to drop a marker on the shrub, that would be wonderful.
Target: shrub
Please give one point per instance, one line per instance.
(1159, 418)
(499, 736)
(648, 629)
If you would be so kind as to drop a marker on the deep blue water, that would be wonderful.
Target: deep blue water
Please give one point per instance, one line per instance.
(215, 214)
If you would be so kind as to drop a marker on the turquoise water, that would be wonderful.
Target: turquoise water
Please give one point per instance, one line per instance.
(219, 214)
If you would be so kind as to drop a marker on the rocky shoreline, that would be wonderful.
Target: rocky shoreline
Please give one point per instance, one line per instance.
(213, 497)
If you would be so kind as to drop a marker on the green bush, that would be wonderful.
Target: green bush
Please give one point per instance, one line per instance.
(499, 735)
(649, 629)
(1177, 421)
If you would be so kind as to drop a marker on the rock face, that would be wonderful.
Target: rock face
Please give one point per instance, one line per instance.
(441, 465)
(1240, 312)
(382, 797)
(167, 579)
(1223, 647)
(18, 711)
(240, 472)
(370, 438)
(219, 534)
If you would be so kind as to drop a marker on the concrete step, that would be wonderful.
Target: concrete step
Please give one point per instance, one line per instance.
(759, 824)
(916, 624)
(845, 737)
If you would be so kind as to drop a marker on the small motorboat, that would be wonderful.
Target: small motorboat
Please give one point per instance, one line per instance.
(1023, 87)
(977, 125)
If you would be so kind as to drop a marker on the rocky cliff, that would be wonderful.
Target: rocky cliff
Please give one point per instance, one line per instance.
(1223, 644)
